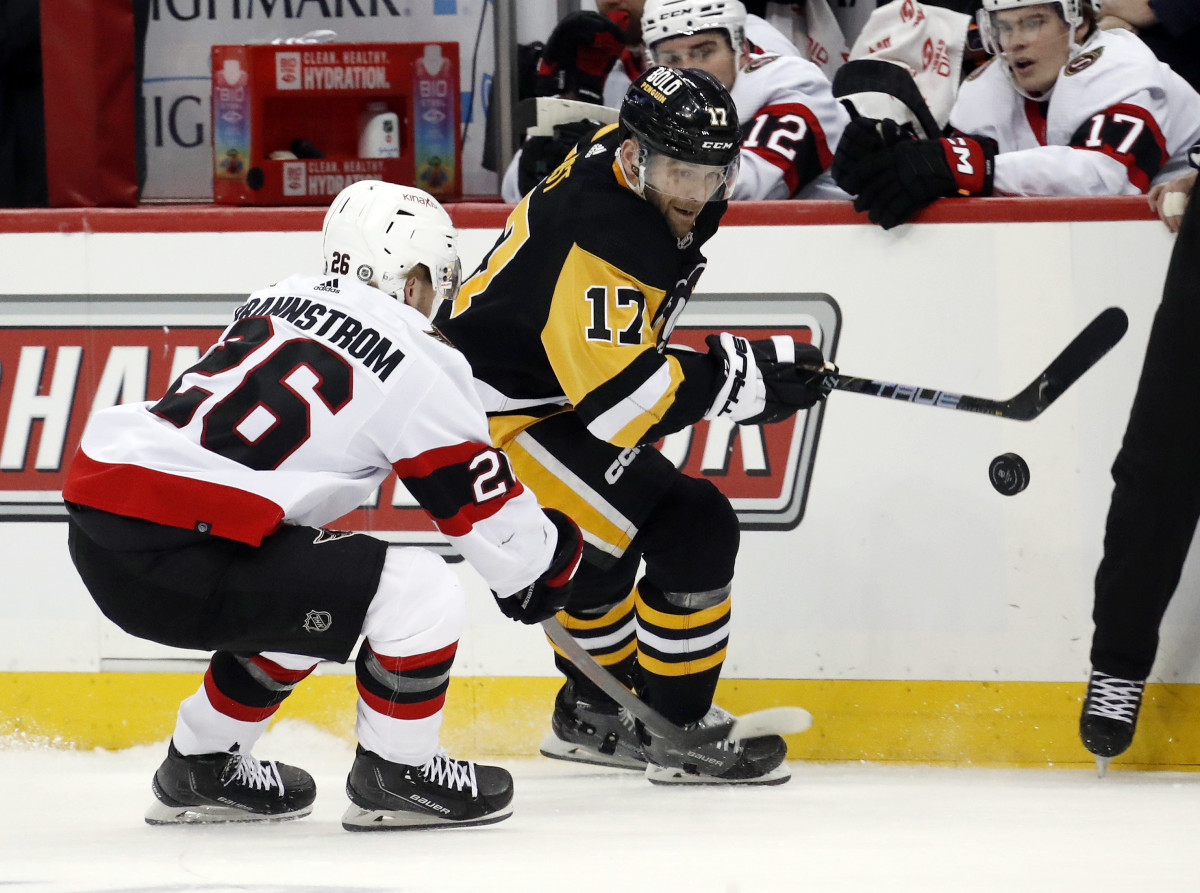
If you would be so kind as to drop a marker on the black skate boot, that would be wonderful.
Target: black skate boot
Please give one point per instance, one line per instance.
(443, 793)
(748, 761)
(227, 787)
(1109, 717)
(591, 731)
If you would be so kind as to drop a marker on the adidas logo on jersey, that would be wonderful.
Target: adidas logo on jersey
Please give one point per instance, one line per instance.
(331, 285)
(595, 150)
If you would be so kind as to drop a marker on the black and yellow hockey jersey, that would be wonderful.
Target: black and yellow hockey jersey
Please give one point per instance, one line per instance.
(575, 302)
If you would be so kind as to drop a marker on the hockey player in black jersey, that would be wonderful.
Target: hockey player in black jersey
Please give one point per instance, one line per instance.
(566, 324)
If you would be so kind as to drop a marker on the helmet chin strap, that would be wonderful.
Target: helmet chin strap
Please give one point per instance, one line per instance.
(639, 169)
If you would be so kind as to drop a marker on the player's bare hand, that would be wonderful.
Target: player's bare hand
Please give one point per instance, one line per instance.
(1169, 199)
(1111, 23)
(1132, 14)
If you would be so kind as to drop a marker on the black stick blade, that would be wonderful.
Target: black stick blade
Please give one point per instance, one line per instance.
(1098, 338)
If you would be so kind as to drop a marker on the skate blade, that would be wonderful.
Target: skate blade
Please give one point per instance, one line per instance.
(1102, 765)
(161, 814)
(556, 749)
(665, 775)
(356, 818)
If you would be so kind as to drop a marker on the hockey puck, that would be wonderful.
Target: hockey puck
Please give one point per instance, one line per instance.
(1009, 474)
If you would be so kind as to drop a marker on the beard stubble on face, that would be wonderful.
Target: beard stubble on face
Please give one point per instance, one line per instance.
(680, 214)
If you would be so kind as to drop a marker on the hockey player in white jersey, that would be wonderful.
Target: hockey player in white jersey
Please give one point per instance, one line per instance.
(1063, 109)
(197, 521)
(790, 120)
(761, 34)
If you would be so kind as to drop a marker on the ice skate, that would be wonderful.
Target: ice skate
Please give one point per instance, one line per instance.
(227, 787)
(1109, 717)
(590, 731)
(442, 793)
(747, 761)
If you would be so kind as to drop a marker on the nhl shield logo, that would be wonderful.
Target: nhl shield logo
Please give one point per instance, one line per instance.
(317, 621)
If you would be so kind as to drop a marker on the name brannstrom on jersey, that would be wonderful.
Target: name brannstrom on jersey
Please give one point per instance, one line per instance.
(341, 330)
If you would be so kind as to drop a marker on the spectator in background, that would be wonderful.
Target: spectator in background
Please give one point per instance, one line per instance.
(22, 120)
(1065, 109)
(789, 118)
(1171, 28)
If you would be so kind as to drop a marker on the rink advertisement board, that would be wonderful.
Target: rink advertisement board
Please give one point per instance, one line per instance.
(873, 545)
(59, 370)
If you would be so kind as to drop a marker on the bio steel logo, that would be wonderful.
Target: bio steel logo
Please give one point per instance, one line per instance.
(56, 369)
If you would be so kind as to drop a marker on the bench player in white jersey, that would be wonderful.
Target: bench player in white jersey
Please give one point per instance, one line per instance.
(761, 34)
(198, 522)
(790, 120)
(1063, 109)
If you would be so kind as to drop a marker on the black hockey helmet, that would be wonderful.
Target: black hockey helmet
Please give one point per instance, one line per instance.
(682, 113)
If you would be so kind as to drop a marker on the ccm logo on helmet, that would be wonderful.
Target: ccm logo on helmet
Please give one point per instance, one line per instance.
(713, 144)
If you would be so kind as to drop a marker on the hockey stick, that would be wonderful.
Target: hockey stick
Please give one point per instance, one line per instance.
(772, 721)
(1097, 339)
(888, 78)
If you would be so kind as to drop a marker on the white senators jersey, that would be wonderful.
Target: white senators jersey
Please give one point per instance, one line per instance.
(791, 124)
(763, 36)
(1117, 122)
(318, 389)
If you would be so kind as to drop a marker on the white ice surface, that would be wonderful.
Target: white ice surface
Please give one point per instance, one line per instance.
(72, 821)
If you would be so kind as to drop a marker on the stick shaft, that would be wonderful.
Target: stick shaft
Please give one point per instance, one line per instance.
(611, 686)
(1084, 351)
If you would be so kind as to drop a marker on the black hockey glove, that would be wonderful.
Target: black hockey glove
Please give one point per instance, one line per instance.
(862, 138)
(792, 373)
(549, 593)
(896, 184)
(542, 154)
(577, 57)
(781, 377)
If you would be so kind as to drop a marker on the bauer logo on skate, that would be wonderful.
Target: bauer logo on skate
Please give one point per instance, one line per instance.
(55, 370)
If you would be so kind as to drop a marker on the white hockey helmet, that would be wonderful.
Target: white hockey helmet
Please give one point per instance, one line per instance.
(380, 232)
(1071, 12)
(663, 19)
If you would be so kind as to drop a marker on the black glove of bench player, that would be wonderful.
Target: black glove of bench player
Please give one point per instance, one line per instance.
(549, 593)
(895, 184)
(578, 55)
(542, 154)
(862, 138)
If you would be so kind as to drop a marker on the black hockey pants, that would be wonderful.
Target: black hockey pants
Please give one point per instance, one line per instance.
(1156, 500)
